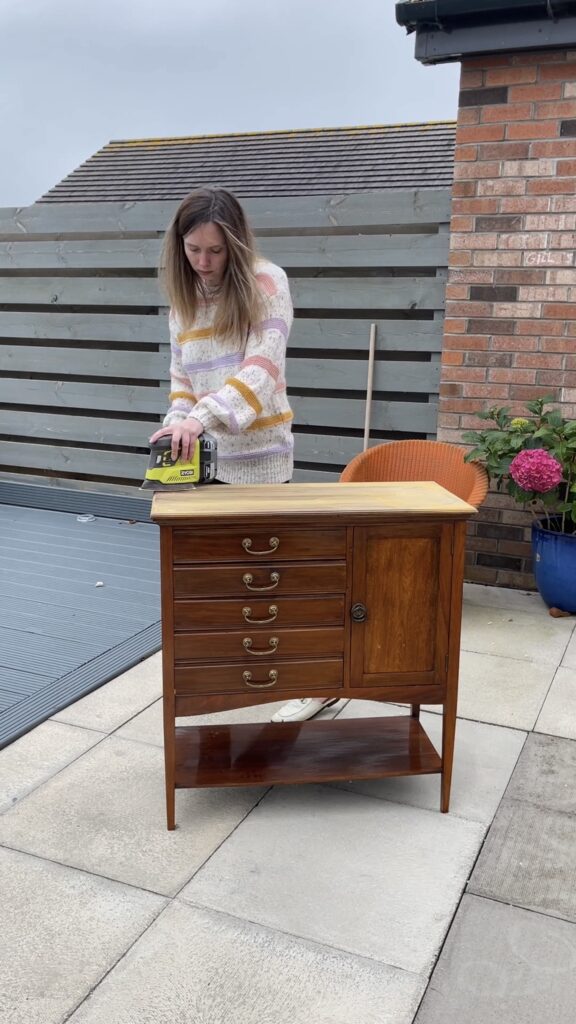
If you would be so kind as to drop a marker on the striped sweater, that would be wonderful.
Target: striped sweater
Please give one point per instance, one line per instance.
(238, 391)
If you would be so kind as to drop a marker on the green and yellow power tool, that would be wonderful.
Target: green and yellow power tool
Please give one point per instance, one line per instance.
(167, 474)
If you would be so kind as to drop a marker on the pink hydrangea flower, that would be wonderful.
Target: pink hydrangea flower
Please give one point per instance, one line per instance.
(536, 470)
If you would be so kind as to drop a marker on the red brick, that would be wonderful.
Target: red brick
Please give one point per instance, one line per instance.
(454, 326)
(512, 376)
(503, 151)
(468, 309)
(466, 153)
(475, 206)
(481, 169)
(472, 240)
(562, 109)
(570, 362)
(557, 72)
(560, 310)
(468, 115)
(555, 378)
(481, 574)
(454, 405)
(571, 329)
(515, 547)
(473, 276)
(452, 358)
(563, 240)
(465, 342)
(448, 390)
(548, 259)
(538, 360)
(547, 186)
(497, 259)
(479, 133)
(514, 343)
(491, 60)
(566, 168)
(541, 326)
(550, 222)
(556, 149)
(471, 79)
(556, 345)
(488, 359)
(506, 112)
(522, 276)
(525, 204)
(486, 391)
(526, 392)
(561, 276)
(501, 187)
(464, 188)
(541, 168)
(457, 291)
(522, 240)
(533, 130)
(459, 223)
(510, 75)
(527, 93)
(543, 293)
(457, 258)
(539, 57)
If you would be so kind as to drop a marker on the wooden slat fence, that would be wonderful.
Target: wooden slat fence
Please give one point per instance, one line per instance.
(84, 349)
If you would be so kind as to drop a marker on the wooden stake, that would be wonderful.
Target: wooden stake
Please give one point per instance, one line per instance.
(371, 353)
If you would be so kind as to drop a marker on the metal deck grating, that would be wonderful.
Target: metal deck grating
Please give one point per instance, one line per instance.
(61, 635)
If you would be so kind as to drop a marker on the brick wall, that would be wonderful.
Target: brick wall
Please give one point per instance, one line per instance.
(510, 331)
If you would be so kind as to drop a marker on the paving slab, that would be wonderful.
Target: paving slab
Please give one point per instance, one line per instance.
(504, 597)
(200, 967)
(569, 659)
(41, 753)
(502, 964)
(502, 691)
(147, 726)
(528, 860)
(105, 813)
(512, 632)
(62, 930)
(558, 714)
(370, 877)
(484, 759)
(545, 774)
(106, 708)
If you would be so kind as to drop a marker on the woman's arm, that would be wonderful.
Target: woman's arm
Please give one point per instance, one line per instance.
(178, 423)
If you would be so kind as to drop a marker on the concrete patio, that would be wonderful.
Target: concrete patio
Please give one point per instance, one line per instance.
(350, 903)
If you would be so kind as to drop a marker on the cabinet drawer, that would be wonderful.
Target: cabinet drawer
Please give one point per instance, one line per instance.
(237, 677)
(259, 613)
(257, 545)
(255, 580)
(253, 646)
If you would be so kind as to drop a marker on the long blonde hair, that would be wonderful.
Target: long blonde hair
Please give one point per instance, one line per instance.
(239, 300)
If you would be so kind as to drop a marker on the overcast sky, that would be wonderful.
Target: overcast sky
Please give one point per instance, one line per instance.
(75, 74)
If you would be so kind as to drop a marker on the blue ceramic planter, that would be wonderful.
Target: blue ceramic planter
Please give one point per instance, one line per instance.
(555, 566)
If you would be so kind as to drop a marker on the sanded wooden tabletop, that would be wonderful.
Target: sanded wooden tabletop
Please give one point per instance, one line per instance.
(313, 499)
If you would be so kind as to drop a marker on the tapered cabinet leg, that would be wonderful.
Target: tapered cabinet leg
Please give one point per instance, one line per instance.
(170, 808)
(448, 737)
(415, 713)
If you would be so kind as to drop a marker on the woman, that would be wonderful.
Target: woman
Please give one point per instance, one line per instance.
(230, 317)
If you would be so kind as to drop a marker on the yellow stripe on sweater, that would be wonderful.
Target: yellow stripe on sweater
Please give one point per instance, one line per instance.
(199, 334)
(247, 394)
(271, 421)
(182, 394)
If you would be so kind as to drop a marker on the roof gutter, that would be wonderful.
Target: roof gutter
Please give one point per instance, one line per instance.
(448, 30)
(418, 14)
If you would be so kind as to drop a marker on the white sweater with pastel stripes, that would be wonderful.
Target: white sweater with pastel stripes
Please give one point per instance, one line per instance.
(238, 390)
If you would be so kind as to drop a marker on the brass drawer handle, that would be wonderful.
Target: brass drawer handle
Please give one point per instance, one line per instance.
(274, 543)
(272, 611)
(272, 675)
(247, 645)
(248, 578)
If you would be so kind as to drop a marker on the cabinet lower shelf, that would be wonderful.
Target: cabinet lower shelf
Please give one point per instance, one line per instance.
(326, 751)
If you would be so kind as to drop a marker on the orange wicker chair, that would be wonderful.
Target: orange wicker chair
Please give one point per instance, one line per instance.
(421, 460)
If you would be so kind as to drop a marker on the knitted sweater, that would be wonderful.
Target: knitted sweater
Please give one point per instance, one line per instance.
(238, 390)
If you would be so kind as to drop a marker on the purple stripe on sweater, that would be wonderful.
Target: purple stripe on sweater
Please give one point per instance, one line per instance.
(275, 323)
(233, 424)
(239, 456)
(232, 359)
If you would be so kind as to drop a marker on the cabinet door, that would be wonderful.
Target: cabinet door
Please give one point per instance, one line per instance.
(402, 577)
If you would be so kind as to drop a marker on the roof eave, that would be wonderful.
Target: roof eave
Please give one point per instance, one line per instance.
(416, 15)
(438, 46)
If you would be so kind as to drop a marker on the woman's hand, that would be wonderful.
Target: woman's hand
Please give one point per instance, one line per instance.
(184, 435)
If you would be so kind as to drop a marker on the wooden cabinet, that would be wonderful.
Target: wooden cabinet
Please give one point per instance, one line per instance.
(328, 590)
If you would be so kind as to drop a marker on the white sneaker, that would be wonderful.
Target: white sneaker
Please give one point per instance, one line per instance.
(302, 709)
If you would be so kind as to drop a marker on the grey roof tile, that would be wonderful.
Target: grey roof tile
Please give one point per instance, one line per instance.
(281, 163)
